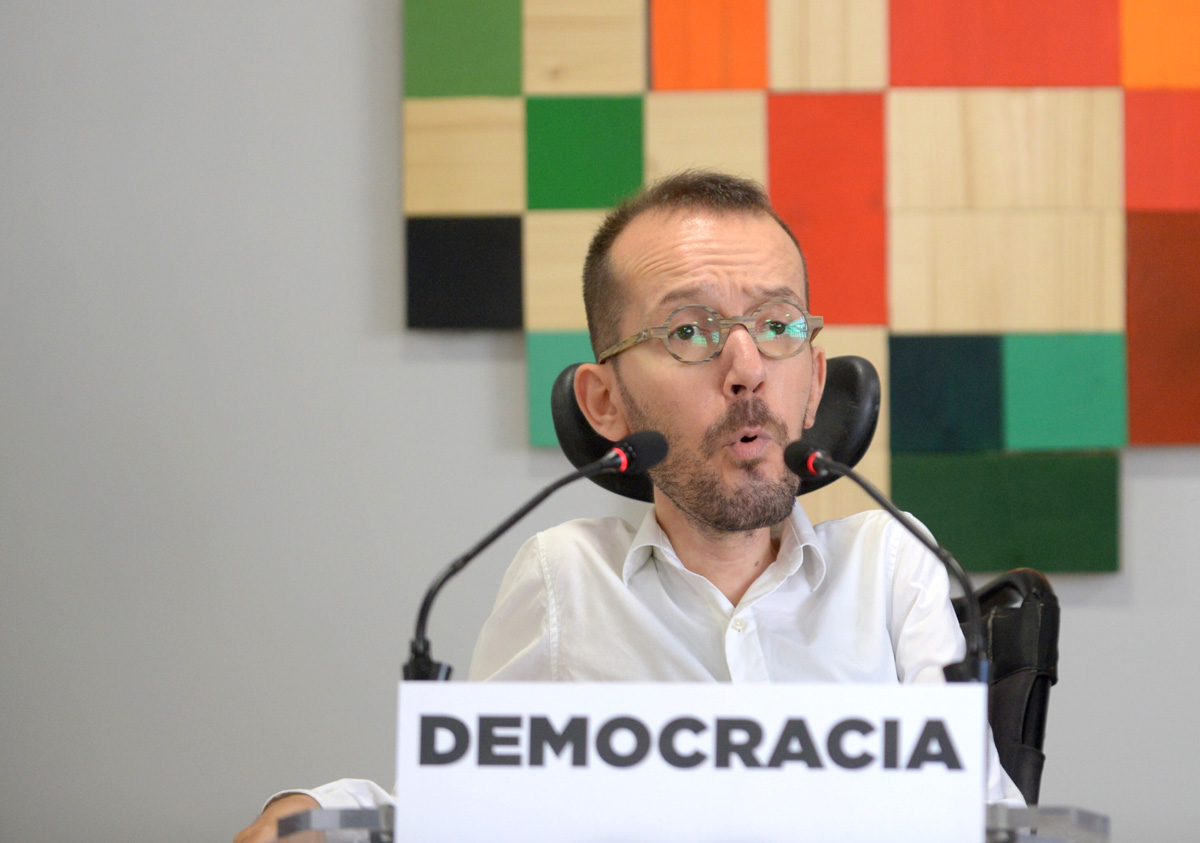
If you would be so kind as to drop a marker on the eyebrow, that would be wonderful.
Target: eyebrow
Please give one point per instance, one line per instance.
(693, 293)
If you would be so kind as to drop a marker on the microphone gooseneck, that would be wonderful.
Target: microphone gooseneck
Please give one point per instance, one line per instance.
(808, 460)
(638, 453)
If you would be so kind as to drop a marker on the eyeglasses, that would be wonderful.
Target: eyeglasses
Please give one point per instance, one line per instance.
(696, 334)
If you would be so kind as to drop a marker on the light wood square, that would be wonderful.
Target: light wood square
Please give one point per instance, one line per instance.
(843, 497)
(554, 246)
(832, 45)
(996, 271)
(585, 46)
(464, 155)
(1005, 148)
(723, 130)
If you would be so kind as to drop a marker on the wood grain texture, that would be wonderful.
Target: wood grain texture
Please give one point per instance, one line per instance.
(843, 497)
(995, 271)
(723, 130)
(1005, 148)
(585, 46)
(555, 244)
(827, 44)
(464, 155)
(707, 44)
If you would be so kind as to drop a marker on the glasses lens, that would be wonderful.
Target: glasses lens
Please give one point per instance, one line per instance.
(780, 329)
(693, 334)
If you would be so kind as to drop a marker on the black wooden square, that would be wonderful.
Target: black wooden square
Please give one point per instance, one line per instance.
(464, 272)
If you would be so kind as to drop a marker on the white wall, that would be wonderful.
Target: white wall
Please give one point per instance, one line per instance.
(227, 471)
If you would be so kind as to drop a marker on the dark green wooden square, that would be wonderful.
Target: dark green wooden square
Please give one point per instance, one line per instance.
(462, 48)
(464, 272)
(945, 394)
(994, 512)
(583, 152)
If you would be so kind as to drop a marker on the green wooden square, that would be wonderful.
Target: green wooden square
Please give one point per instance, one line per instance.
(583, 152)
(945, 393)
(547, 353)
(462, 48)
(1055, 512)
(1064, 391)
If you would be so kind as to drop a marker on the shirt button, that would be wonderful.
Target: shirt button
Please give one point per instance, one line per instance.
(738, 624)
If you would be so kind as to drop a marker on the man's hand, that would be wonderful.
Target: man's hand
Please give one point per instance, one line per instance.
(262, 830)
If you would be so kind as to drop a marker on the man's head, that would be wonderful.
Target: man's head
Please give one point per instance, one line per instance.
(710, 241)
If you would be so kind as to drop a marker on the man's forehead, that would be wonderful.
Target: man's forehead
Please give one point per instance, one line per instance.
(700, 250)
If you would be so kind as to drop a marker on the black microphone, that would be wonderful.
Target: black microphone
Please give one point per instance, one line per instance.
(637, 454)
(810, 461)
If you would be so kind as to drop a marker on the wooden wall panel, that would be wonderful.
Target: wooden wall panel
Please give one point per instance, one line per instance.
(1005, 148)
(464, 155)
(843, 497)
(706, 44)
(555, 244)
(585, 46)
(724, 130)
(1162, 137)
(827, 44)
(1159, 41)
(996, 271)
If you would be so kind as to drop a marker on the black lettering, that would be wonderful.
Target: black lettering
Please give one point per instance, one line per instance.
(834, 744)
(934, 733)
(430, 723)
(542, 735)
(489, 740)
(666, 742)
(795, 731)
(743, 749)
(641, 738)
(891, 744)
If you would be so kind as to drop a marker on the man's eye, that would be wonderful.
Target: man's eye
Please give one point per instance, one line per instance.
(776, 328)
(684, 332)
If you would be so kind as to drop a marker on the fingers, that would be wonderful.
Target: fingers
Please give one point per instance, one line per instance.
(263, 829)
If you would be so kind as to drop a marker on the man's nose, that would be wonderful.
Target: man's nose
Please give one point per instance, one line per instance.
(745, 368)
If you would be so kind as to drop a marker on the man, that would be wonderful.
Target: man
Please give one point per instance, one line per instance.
(697, 304)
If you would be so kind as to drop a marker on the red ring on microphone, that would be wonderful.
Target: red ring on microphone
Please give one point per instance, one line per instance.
(809, 465)
(624, 460)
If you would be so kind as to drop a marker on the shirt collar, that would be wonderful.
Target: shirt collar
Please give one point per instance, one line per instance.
(799, 547)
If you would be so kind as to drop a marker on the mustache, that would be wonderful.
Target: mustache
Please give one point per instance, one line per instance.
(752, 412)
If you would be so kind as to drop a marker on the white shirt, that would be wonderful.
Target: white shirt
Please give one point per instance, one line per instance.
(853, 600)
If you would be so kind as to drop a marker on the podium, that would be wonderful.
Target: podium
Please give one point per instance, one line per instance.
(689, 762)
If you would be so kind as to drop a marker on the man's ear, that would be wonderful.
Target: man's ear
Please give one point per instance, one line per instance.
(596, 394)
(817, 387)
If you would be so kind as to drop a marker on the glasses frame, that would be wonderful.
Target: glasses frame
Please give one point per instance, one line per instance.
(725, 325)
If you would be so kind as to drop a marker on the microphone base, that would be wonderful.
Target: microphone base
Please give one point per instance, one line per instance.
(968, 670)
(421, 667)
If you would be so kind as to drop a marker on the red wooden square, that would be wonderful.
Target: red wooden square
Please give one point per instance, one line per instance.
(825, 160)
(1005, 42)
(1162, 141)
(1162, 336)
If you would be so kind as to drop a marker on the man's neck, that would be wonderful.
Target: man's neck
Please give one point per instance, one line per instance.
(730, 561)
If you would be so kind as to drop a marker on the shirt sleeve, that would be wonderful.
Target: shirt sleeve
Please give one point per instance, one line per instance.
(926, 636)
(518, 641)
(345, 793)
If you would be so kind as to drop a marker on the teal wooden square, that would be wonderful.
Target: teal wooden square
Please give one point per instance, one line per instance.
(1051, 511)
(547, 353)
(462, 48)
(1064, 391)
(583, 152)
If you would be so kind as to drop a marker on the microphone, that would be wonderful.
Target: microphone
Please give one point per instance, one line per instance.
(810, 461)
(637, 454)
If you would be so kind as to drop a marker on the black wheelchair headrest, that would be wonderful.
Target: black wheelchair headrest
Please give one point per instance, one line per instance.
(845, 424)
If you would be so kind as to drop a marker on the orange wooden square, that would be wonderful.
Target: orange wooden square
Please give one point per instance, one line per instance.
(699, 44)
(1004, 42)
(1159, 41)
(1162, 140)
(1161, 337)
(825, 160)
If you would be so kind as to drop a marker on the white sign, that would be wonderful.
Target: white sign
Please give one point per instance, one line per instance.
(680, 761)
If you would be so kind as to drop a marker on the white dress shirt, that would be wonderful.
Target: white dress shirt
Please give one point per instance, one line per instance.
(853, 600)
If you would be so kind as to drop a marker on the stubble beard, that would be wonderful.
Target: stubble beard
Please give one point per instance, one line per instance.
(689, 480)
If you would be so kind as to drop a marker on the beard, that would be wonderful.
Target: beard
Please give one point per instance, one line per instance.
(689, 479)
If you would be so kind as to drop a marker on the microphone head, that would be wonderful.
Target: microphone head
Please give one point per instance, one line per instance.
(643, 450)
(798, 457)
